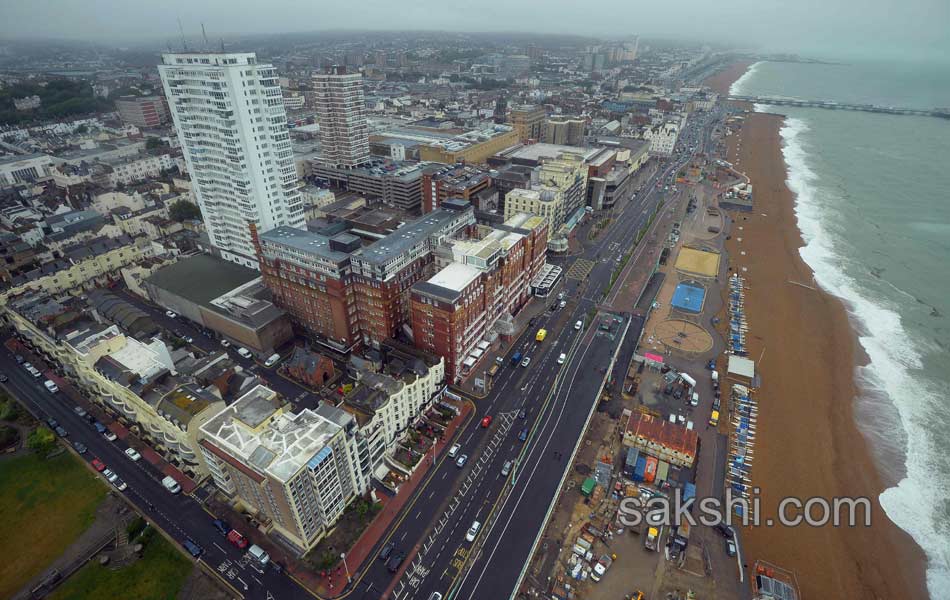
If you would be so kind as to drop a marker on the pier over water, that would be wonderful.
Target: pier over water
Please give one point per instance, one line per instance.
(940, 113)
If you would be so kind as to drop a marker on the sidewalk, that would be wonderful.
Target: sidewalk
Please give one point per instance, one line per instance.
(187, 484)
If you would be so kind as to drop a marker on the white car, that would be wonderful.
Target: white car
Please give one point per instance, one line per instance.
(526, 361)
(578, 325)
(225, 343)
(561, 358)
(473, 531)
(133, 454)
(454, 450)
(110, 475)
(170, 314)
(119, 484)
(109, 436)
(244, 352)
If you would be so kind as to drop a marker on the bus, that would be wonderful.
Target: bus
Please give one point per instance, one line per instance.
(542, 333)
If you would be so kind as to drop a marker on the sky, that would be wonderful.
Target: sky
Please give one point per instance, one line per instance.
(885, 28)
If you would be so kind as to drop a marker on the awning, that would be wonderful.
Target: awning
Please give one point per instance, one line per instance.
(484, 345)
(469, 362)
(653, 357)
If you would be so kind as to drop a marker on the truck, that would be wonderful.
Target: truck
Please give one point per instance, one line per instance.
(515, 359)
(601, 567)
(650, 541)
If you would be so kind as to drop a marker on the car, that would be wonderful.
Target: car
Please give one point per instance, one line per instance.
(170, 314)
(435, 596)
(133, 454)
(79, 447)
(730, 548)
(500, 360)
(454, 450)
(19, 359)
(225, 343)
(98, 465)
(79, 411)
(61, 432)
(506, 468)
(192, 548)
(561, 358)
(109, 436)
(244, 352)
(222, 526)
(110, 475)
(119, 484)
(51, 386)
(99, 427)
(526, 361)
(725, 531)
(562, 304)
(272, 360)
(395, 560)
(27, 366)
(486, 421)
(473, 531)
(90, 418)
(3, 378)
(238, 540)
(386, 551)
(53, 423)
(460, 461)
(522, 414)
(578, 325)
(523, 434)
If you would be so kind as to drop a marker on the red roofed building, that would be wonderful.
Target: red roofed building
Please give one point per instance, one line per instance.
(658, 437)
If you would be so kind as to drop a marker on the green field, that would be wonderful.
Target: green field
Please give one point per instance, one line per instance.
(158, 575)
(44, 506)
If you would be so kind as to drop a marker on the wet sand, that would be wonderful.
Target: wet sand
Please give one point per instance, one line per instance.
(807, 443)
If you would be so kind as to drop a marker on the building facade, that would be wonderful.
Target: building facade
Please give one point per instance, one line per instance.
(230, 118)
(567, 131)
(457, 181)
(528, 121)
(341, 108)
(143, 111)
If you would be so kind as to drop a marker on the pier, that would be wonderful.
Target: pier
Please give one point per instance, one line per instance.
(940, 113)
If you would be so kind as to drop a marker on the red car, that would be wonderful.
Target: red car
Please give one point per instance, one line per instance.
(486, 421)
(98, 465)
(237, 539)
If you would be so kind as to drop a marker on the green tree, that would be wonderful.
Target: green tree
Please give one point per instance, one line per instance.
(183, 211)
(41, 440)
(153, 142)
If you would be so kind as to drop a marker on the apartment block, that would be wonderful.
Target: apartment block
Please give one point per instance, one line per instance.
(440, 182)
(528, 121)
(341, 108)
(143, 111)
(232, 125)
(564, 130)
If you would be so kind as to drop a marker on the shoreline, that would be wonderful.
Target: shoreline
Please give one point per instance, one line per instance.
(824, 454)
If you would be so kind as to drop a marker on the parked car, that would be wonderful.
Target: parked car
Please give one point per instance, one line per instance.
(110, 475)
(99, 427)
(133, 454)
(98, 465)
(578, 325)
(486, 421)
(51, 386)
(244, 352)
(79, 411)
(188, 339)
(225, 343)
(561, 358)
(53, 423)
(522, 414)
(3, 378)
(725, 531)
(235, 537)
(386, 551)
(192, 548)
(19, 359)
(523, 435)
(109, 436)
(454, 450)
(506, 468)
(79, 447)
(119, 484)
(272, 360)
(170, 314)
(61, 432)
(222, 526)
(460, 461)
(395, 560)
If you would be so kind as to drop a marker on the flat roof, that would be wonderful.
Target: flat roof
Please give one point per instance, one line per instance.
(456, 276)
(535, 152)
(201, 278)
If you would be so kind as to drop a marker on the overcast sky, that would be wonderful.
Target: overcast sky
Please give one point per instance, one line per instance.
(842, 27)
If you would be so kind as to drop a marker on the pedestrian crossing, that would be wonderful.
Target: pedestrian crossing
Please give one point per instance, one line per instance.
(580, 269)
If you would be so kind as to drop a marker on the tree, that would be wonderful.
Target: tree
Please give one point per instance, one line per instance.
(153, 142)
(183, 211)
(41, 441)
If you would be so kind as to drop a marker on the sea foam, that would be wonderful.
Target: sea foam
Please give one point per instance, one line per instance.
(891, 380)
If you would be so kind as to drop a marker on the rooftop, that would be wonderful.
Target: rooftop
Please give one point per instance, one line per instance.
(455, 276)
(201, 278)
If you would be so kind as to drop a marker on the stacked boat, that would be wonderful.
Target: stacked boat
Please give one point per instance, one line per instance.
(737, 323)
(745, 413)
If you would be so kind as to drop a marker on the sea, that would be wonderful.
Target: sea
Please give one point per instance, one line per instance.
(873, 205)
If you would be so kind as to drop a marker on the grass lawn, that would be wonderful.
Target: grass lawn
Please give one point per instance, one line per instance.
(44, 506)
(158, 575)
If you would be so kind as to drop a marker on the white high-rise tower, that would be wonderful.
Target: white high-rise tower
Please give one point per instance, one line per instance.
(344, 134)
(232, 125)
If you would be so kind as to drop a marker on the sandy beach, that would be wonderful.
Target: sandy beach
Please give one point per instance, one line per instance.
(723, 80)
(807, 442)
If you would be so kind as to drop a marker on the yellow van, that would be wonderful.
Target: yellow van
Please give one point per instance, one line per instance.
(542, 333)
(714, 418)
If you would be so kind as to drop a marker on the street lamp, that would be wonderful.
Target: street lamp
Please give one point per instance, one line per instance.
(343, 556)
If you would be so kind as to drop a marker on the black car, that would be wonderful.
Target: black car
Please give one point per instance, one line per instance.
(387, 550)
(80, 447)
(61, 432)
(19, 359)
(222, 526)
(395, 560)
(3, 378)
(522, 414)
(725, 531)
(53, 424)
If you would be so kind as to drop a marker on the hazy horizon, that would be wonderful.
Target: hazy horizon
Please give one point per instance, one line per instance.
(834, 28)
